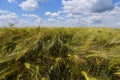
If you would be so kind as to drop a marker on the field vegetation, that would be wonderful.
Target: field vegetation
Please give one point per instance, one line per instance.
(59, 53)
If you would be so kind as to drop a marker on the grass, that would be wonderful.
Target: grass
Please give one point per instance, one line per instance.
(59, 53)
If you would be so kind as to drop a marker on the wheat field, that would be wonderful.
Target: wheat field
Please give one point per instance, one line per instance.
(35, 53)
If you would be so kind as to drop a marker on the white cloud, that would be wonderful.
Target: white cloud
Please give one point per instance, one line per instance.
(60, 18)
(48, 13)
(21, 23)
(88, 13)
(51, 20)
(69, 15)
(109, 18)
(85, 6)
(38, 21)
(33, 19)
(118, 23)
(3, 12)
(30, 15)
(72, 13)
(7, 17)
(10, 1)
(54, 14)
(29, 5)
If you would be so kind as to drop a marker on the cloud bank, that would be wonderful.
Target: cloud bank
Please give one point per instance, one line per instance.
(72, 13)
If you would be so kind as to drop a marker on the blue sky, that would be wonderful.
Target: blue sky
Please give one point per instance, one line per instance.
(103, 13)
